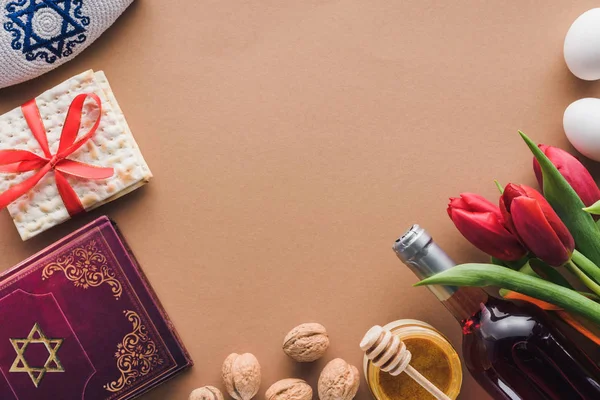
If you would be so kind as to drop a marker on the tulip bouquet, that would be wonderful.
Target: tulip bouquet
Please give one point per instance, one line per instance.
(536, 240)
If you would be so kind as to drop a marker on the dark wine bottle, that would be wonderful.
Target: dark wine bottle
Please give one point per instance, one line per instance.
(513, 350)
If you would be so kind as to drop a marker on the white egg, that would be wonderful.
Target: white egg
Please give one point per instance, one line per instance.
(582, 46)
(582, 126)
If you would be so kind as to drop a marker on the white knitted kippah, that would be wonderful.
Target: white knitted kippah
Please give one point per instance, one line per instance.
(37, 36)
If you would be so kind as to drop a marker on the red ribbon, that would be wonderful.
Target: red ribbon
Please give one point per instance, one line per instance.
(15, 161)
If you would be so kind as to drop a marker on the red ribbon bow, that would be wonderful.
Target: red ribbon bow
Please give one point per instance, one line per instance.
(15, 161)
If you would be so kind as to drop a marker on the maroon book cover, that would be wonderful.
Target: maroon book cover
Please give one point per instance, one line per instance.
(79, 320)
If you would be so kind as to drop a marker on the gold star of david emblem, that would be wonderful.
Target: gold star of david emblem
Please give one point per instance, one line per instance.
(52, 363)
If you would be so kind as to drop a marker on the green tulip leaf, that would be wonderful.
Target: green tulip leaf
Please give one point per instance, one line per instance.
(593, 209)
(499, 186)
(548, 273)
(590, 296)
(527, 270)
(539, 269)
(568, 205)
(497, 261)
(511, 264)
(481, 275)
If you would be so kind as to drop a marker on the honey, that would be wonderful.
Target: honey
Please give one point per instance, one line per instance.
(430, 361)
(432, 355)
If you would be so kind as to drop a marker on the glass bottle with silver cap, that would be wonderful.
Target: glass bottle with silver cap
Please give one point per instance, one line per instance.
(512, 350)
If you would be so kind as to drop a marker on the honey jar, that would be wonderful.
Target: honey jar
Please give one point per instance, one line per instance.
(432, 355)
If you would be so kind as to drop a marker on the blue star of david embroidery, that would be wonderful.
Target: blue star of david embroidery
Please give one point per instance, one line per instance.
(46, 29)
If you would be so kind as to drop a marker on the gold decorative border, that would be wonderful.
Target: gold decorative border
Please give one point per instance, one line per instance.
(136, 355)
(17, 273)
(86, 267)
(148, 384)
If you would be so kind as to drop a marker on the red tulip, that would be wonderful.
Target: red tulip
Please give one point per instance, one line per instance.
(480, 222)
(530, 216)
(572, 170)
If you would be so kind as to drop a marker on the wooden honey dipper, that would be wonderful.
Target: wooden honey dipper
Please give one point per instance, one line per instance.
(390, 354)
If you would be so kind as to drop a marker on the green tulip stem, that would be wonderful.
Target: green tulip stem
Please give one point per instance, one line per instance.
(587, 266)
(589, 283)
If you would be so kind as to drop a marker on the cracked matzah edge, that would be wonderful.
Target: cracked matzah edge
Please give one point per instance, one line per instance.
(103, 83)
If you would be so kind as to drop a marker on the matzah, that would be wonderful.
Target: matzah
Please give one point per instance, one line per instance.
(112, 145)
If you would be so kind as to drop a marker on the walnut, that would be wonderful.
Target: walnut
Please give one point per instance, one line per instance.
(306, 342)
(241, 375)
(338, 381)
(206, 393)
(289, 389)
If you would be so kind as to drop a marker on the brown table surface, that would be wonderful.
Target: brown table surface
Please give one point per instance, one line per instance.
(292, 143)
